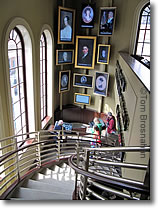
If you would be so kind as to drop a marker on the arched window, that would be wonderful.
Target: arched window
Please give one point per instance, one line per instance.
(43, 76)
(17, 74)
(142, 47)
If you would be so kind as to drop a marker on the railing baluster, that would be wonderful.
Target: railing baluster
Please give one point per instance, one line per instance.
(39, 148)
(86, 166)
(59, 133)
(17, 160)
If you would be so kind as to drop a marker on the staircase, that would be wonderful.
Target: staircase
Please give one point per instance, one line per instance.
(56, 182)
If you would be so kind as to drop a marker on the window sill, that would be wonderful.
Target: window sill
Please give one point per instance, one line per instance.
(45, 122)
(141, 71)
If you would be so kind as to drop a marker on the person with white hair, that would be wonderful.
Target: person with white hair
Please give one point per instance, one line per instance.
(58, 125)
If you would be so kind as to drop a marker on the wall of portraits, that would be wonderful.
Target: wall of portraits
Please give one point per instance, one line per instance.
(87, 50)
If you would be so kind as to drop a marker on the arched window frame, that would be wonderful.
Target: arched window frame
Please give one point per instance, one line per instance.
(20, 85)
(43, 76)
(142, 57)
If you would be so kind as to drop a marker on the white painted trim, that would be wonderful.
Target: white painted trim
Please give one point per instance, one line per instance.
(139, 7)
(29, 43)
(50, 67)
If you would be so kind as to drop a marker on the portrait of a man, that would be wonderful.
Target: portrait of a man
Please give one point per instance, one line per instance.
(64, 57)
(85, 52)
(107, 18)
(103, 54)
(66, 20)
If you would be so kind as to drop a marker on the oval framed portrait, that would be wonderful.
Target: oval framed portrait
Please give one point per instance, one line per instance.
(87, 14)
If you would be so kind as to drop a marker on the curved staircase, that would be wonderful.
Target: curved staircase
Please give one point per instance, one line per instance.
(56, 182)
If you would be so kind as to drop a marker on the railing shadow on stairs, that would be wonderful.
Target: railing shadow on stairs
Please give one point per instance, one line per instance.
(98, 170)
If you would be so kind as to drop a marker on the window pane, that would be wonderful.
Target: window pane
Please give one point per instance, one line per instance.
(143, 22)
(147, 36)
(141, 36)
(22, 106)
(12, 55)
(146, 50)
(21, 74)
(13, 77)
(15, 94)
(21, 90)
(16, 110)
(17, 124)
(20, 57)
(44, 78)
(43, 90)
(19, 46)
(43, 52)
(23, 120)
(11, 45)
(41, 113)
(41, 63)
(139, 48)
(43, 66)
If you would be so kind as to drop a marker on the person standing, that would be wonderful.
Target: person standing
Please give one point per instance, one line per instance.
(111, 124)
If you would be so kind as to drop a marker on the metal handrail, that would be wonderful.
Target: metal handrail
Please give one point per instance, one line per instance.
(61, 152)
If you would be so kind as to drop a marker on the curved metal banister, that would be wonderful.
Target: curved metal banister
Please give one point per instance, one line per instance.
(40, 156)
(123, 183)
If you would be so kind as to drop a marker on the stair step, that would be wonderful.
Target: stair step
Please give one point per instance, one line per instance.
(34, 194)
(39, 185)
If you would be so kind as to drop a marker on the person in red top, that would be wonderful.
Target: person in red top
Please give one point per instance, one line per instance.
(96, 136)
(111, 124)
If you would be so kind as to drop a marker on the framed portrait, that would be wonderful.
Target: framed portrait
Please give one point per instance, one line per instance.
(103, 54)
(64, 81)
(87, 15)
(64, 57)
(82, 80)
(83, 99)
(66, 25)
(85, 52)
(107, 20)
(101, 83)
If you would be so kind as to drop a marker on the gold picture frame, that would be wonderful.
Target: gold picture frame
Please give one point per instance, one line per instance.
(66, 25)
(85, 52)
(103, 54)
(82, 99)
(64, 57)
(82, 80)
(64, 81)
(106, 24)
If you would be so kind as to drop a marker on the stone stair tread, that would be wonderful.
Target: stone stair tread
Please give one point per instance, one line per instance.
(34, 194)
(32, 184)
